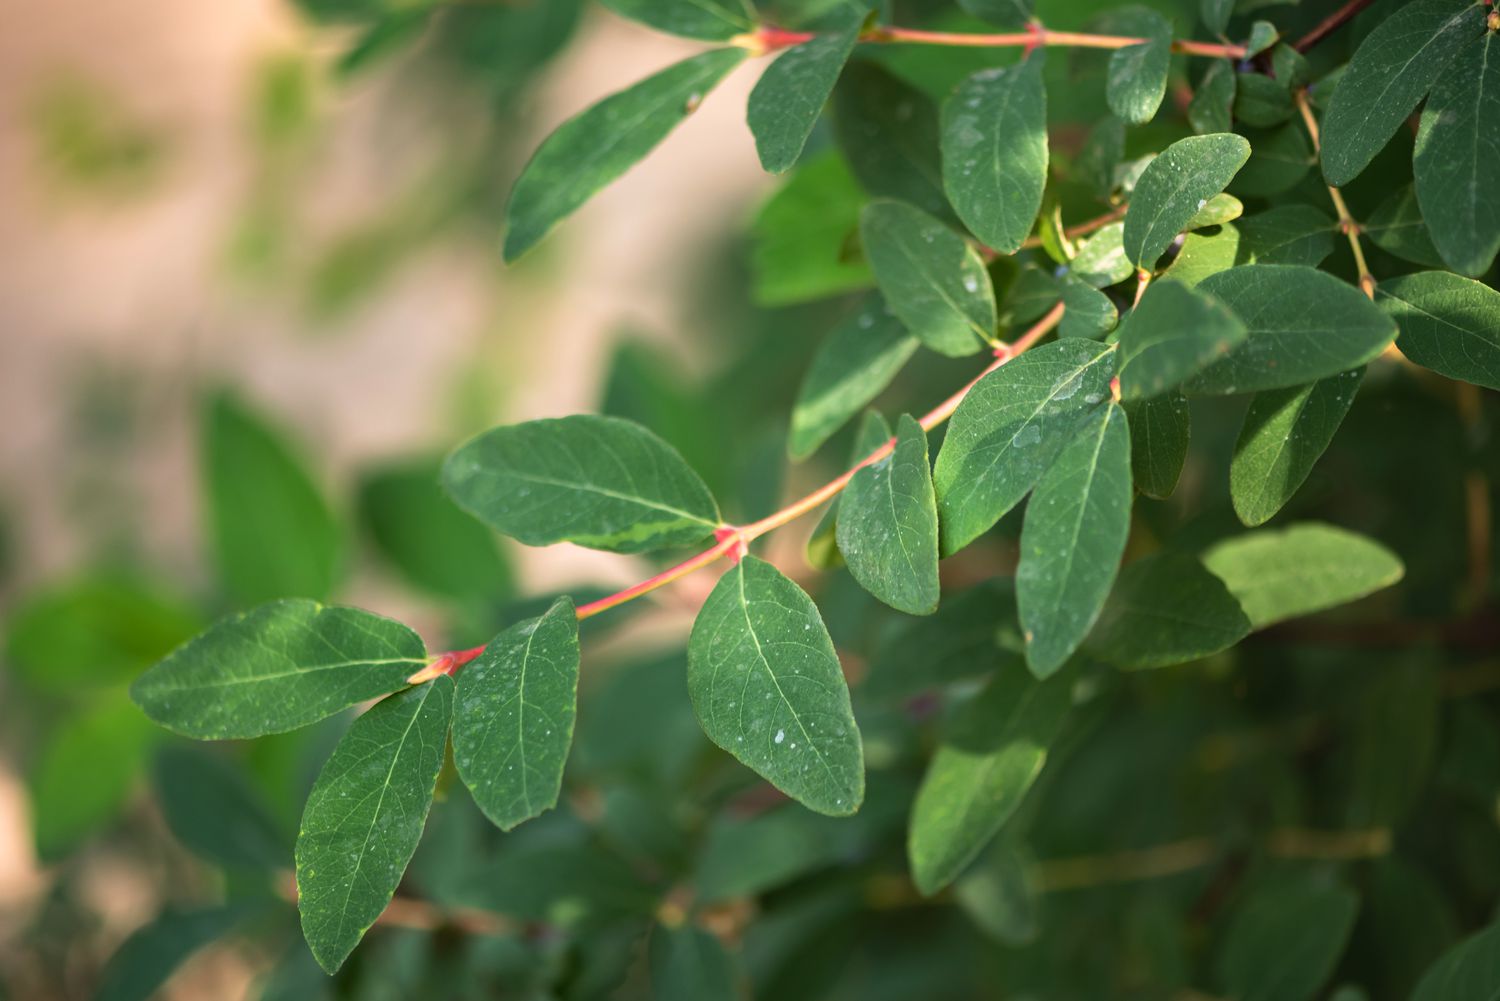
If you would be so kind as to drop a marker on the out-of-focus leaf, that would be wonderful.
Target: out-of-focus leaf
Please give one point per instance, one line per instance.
(152, 953)
(710, 20)
(690, 964)
(1396, 720)
(1166, 609)
(1279, 158)
(804, 234)
(1101, 259)
(1467, 972)
(889, 132)
(1005, 13)
(1284, 941)
(998, 896)
(1286, 234)
(1396, 226)
(1172, 334)
(215, 812)
(1213, 99)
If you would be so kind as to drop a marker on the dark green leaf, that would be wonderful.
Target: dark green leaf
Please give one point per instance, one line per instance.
(1286, 234)
(1170, 336)
(1284, 573)
(1137, 79)
(1087, 312)
(1005, 13)
(1216, 14)
(1391, 71)
(215, 812)
(1262, 102)
(789, 97)
(276, 668)
(767, 687)
(1397, 227)
(85, 771)
(1285, 941)
(513, 722)
(975, 632)
(1100, 157)
(1467, 972)
(1101, 260)
(1263, 35)
(1174, 187)
(365, 815)
(690, 964)
(593, 148)
(1008, 430)
(600, 482)
(1213, 99)
(1073, 538)
(997, 894)
(1166, 609)
(152, 953)
(822, 545)
(852, 366)
(1394, 740)
(1284, 434)
(1159, 430)
(1278, 160)
(805, 236)
(931, 277)
(710, 20)
(888, 527)
(992, 750)
(1304, 325)
(995, 152)
(889, 131)
(1448, 324)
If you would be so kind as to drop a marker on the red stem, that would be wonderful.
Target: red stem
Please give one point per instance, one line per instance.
(1330, 24)
(773, 39)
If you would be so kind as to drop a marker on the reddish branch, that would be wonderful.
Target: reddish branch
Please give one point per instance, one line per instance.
(1330, 24)
(772, 39)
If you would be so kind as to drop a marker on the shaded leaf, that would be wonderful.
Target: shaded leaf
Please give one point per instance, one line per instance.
(974, 632)
(1213, 99)
(1137, 79)
(152, 953)
(1101, 259)
(1397, 227)
(789, 97)
(1087, 312)
(888, 527)
(1166, 609)
(997, 894)
(710, 20)
(1174, 187)
(1467, 972)
(1284, 942)
(215, 812)
(1170, 336)
(1286, 234)
(690, 964)
(804, 237)
(1448, 324)
(889, 132)
(1005, 13)
(84, 773)
(1159, 430)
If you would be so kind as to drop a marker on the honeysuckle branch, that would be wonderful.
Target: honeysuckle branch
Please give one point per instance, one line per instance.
(1330, 24)
(1347, 224)
(767, 40)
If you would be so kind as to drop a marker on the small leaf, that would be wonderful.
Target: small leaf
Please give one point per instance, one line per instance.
(1261, 102)
(805, 244)
(365, 815)
(1217, 211)
(1304, 325)
(1467, 972)
(1073, 538)
(789, 97)
(1396, 226)
(1392, 70)
(1087, 312)
(767, 687)
(709, 20)
(1166, 609)
(1204, 254)
(888, 527)
(852, 366)
(591, 149)
(1101, 260)
(1216, 14)
(974, 633)
(1009, 428)
(1448, 324)
(1284, 434)
(1159, 431)
(1004, 13)
(995, 152)
(278, 667)
(822, 545)
(690, 964)
(992, 750)
(1284, 573)
(889, 131)
(933, 280)
(1286, 234)
(998, 896)
(1137, 79)
(1174, 187)
(1172, 333)
(1213, 99)
(1457, 158)
(152, 953)
(1285, 941)
(513, 721)
(599, 482)
(215, 812)
(1263, 35)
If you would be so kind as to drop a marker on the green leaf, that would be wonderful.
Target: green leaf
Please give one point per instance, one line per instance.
(1173, 332)
(888, 527)
(215, 812)
(591, 149)
(152, 953)
(1285, 432)
(805, 244)
(1391, 71)
(1261, 102)
(690, 964)
(1009, 428)
(1137, 79)
(1087, 312)
(1005, 13)
(1284, 573)
(1304, 325)
(365, 815)
(889, 131)
(852, 366)
(1457, 159)
(272, 533)
(1073, 538)
(1286, 234)
(822, 545)
(1448, 324)
(599, 482)
(995, 152)
(930, 276)
(426, 538)
(992, 750)
(1396, 720)
(974, 633)
(1101, 260)
(278, 667)
(767, 687)
(710, 20)
(1159, 431)
(1204, 254)
(1216, 15)
(513, 722)
(1396, 226)
(1217, 211)
(1213, 99)
(789, 97)
(1166, 609)
(1467, 972)
(997, 894)
(1284, 942)
(1174, 187)
(1279, 159)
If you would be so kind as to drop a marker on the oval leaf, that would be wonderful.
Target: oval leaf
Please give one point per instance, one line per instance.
(1285, 941)
(1172, 333)
(1159, 432)
(690, 964)
(1166, 609)
(1286, 234)
(888, 131)
(789, 97)
(1174, 187)
(888, 526)
(1137, 79)
(1448, 324)
(1467, 972)
(822, 545)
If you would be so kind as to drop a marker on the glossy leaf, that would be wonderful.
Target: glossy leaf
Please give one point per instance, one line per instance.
(1286, 234)
(1159, 431)
(153, 952)
(1304, 325)
(853, 364)
(215, 812)
(1448, 324)
(591, 149)
(1467, 972)
(889, 132)
(1284, 434)
(995, 152)
(690, 964)
(1137, 79)
(1008, 430)
(1285, 941)
(365, 815)
(1174, 187)
(1171, 335)
(1166, 609)
(1457, 159)
(992, 751)
(789, 97)
(600, 482)
(710, 20)
(1284, 573)
(1392, 70)
(822, 545)
(279, 667)
(1073, 538)
(888, 527)
(513, 719)
(767, 687)
(931, 278)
